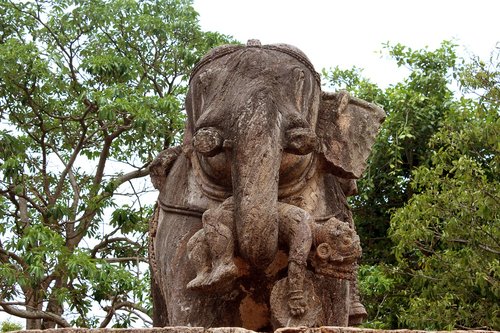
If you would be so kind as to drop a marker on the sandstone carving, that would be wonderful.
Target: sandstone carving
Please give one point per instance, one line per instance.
(252, 227)
(185, 329)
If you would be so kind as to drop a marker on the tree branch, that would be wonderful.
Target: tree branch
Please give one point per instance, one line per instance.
(106, 241)
(147, 321)
(90, 213)
(484, 247)
(125, 259)
(26, 198)
(68, 166)
(144, 171)
(117, 306)
(13, 256)
(103, 157)
(76, 197)
(111, 311)
(33, 314)
(23, 211)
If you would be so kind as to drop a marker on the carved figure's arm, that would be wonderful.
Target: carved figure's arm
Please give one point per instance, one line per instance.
(162, 164)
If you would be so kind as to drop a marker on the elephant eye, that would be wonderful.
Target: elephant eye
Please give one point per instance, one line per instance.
(208, 141)
(301, 141)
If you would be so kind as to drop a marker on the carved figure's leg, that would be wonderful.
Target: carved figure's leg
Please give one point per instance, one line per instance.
(357, 312)
(219, 231)
(199, 255)
(295, 231)
(213, 254)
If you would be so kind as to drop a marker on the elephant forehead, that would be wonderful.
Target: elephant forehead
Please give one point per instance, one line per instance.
(250, 70)
(250, 63)
(225, 85)
(274, 56)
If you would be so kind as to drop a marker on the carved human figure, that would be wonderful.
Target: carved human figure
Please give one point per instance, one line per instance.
(256, 193)
(212, 250)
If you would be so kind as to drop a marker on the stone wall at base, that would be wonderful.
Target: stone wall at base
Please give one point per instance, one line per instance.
(185, 329)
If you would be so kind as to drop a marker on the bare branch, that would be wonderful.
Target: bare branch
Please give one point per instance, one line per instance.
(140, 316)
(484, 247)
(117, 306)
(135, 193)
(15, 303)
(23, 211)
(106, 241)
(27, 199)
(111, 311)
(13, 256)
(69, 165)
(33, 314)
(103, 157)
(126, 259)
(70, 226)
(127, 304)
(144, 171)
(89, 214)
(38, 195)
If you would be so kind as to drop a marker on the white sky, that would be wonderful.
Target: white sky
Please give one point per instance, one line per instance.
(348, 33)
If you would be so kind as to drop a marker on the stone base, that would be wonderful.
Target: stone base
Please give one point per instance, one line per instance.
(184, 329)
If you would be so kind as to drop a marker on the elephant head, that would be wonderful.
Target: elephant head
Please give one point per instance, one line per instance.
(257, 121)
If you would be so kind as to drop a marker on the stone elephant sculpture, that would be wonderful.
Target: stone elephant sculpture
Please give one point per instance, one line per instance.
(252, 227)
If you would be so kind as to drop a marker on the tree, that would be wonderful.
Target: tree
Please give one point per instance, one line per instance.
(428, 209)
(90, 91)
(415, 108)
(448, 235)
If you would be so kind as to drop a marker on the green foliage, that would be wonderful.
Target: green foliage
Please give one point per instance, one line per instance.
(82, 83)
(428, 212)
(415, 108)
(448, 235)
(7, 326)
(382, 295)
(353, 81)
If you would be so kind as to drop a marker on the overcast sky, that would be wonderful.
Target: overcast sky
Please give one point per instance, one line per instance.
(348, 33)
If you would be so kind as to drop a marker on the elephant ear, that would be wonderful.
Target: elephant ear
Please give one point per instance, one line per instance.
(347, 127)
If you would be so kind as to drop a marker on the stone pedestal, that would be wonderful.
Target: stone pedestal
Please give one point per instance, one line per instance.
(184, 329)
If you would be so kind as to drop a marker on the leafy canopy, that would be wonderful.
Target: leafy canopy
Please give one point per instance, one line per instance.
(90, 91)
(428, 212)
(448, 235)
(415, 108)
(7, 326)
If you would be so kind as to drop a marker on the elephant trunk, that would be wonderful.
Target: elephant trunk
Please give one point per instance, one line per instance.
(255, 174)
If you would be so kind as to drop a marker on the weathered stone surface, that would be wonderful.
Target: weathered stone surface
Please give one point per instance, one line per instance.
(253, 228)
(347, 127)
(280, 314)
(184, 329)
